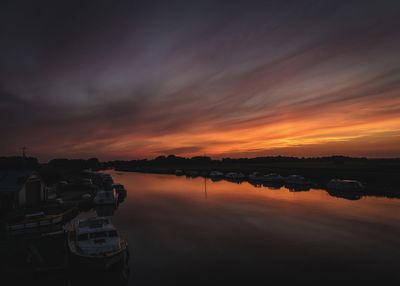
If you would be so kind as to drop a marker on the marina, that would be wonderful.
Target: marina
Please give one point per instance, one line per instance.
(173, 223)
(69, 233)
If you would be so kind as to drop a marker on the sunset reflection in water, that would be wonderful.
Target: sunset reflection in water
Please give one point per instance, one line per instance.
(180, 228)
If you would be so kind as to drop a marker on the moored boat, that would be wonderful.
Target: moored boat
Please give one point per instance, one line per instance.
(106, 198)
(255, 176)
(119, 188)
(296, 180)
(269, 178)
(107, 181)
(179, 172)
(192, 173)
(95, 243)
(235, 176)
(345, 185)
(43, 221)
(273, 178)
(121, 191)
(216, 174)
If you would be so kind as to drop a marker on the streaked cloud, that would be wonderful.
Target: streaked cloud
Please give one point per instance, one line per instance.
(300, 78)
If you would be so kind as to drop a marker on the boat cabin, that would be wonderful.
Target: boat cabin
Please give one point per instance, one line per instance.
(106, 197)
(97, 236)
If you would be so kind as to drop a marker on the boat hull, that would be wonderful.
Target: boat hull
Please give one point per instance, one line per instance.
(98, 262)
(95, 262)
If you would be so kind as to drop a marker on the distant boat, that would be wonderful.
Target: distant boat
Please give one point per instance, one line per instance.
(296, 180)
(216, 174)
(273, 178)
(105, 198)
(269, 178)
(297, 183)
(345, 185)
(237, 176)
(95, 243)
(255, 176)
(192, 173)
(179, 172)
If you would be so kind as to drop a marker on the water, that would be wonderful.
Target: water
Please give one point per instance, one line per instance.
(184, 232)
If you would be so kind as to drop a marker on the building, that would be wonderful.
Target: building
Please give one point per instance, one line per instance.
(21, 189)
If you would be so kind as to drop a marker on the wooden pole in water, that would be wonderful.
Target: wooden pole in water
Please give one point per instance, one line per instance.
(205, 188)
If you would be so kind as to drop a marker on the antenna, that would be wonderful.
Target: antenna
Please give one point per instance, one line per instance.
(23, 151)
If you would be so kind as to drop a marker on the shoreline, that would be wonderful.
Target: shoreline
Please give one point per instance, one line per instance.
(318, 178)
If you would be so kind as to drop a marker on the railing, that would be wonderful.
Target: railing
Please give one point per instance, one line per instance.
(39, 224)
(36, 224)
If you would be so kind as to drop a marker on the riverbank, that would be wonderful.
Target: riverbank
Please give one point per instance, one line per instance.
(380, 177)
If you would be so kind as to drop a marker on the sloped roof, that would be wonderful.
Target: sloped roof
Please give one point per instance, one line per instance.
(12, 181)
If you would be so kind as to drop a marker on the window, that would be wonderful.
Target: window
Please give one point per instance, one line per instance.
(98, 234)
(112, 233)
(83, 237)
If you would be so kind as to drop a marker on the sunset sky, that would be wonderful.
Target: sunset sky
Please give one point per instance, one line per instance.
(136, 79)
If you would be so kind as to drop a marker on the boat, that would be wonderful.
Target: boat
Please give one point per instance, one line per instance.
(297, 183)
(192, 174)
(269, 178)
(105, 210)
(42, 221)
(87, 181)
(235, 176)
(255, 176)
(121, 191)
(216, 174)
(119, 188)
(345, 185)
(296, 180)
(179, 173)
(273, 178)
(107, 181)
(95, 243)
(105, 198)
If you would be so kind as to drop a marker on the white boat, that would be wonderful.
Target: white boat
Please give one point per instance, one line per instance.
(273, 178)
(345, 185)
(255, 176)
(269, 178)
(296, 180)
(191, 173)
(216, 174)
(235, 176)
(96, 243)
(105, 198)
(179, 172)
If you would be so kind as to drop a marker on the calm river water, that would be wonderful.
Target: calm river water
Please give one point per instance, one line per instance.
(185, 231)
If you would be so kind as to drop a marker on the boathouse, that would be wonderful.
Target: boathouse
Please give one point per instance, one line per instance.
(20, 189)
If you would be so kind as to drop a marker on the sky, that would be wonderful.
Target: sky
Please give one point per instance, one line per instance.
(138, 79)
